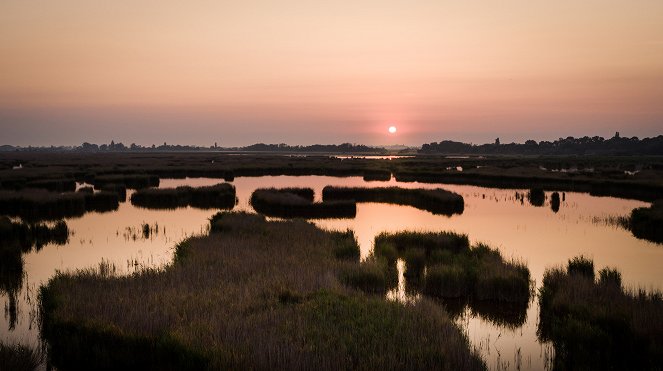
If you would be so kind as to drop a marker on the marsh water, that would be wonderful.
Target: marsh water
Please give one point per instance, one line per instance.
(537, 236)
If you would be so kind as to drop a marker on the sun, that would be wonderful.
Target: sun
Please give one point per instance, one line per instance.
(392, 130)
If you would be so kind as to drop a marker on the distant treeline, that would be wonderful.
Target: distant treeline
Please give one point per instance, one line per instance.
(259, 147)
(563, 146)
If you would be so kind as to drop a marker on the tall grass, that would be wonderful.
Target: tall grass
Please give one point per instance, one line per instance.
(598, 324)
(26, 236)
(437, 201)
(647, 223)
(298, 203)
(453, 269)
(258, 295)
(17, 357)
(221, 196)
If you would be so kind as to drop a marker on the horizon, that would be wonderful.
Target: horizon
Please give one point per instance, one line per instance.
(299, 72)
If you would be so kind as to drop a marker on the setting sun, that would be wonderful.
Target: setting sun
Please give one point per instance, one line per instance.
(392, 130)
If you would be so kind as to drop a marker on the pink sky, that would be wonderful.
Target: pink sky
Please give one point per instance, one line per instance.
(304, 72)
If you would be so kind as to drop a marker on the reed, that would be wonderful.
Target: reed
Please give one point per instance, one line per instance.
(647, 223)
(436, 201)
(554, 202)
(599, 324)
(18, 357)
(120, 189)
(536, 197)
(298, 203)
(221, 196)
(130, 181)
(34, 205)
(259, 295)
(453, 269)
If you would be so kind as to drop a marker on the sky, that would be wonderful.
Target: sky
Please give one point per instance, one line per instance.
(305, 72)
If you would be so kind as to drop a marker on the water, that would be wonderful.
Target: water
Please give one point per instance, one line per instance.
(535, 235)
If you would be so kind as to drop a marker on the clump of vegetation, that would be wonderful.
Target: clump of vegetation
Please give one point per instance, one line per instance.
(260, 295)
(101, 201)
(221, 196)
(347, 247)
(647, 223)
(453, 269)
(26, 236)
(581, 266)
(598, 324)
(372, 276)
(131, 181)
(53, 185)
(555, 202)
(86, 190)
(33, 204)
(18, 357)
(120, 189)
(437, 201)
(298, 203)
(536, 197)
(377, 175)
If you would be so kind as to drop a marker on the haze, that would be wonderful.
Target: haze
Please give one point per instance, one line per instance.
(304, 72)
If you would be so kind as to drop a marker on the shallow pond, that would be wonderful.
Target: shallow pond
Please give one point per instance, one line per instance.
(536, 235)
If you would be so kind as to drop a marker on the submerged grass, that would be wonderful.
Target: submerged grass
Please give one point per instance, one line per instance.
(437, 201)
(260, 295)
(220, 196)
(598, 324)
(298, 203)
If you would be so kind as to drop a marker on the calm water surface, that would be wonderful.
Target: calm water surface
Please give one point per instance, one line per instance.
(535, 235)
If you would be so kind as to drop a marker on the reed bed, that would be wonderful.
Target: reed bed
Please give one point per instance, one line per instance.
(436, 201)
(219, 196)
(130, 181)
(37, 205)
(31, 235)
(647, 223)
(259, 295)
(596, 323)
(449, 268)
(298, 203)
(120, 189)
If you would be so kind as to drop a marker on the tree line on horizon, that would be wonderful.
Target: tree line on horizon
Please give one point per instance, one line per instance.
(563, 146)
(586, 145)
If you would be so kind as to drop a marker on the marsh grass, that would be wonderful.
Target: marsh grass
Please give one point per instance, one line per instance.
(298, 203)
(536, 197)
(581, 266)
(555, 202)
(647, 223)
(34, 204)
(436, 201)
(18, 357)
(130, 181)
(598, 324)
(120, 189)
(377, 175)
(220, 196)
(450, 268)
(26, 236)
(101, 201)
(257, 295)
